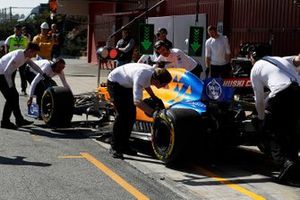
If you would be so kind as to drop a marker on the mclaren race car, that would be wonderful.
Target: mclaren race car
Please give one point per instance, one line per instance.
(195, 114)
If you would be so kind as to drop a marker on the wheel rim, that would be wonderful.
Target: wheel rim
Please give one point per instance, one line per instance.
(163, 138)
(47, 106)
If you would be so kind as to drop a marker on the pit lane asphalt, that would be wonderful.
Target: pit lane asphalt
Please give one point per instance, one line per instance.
(230, 175)
(40, 163)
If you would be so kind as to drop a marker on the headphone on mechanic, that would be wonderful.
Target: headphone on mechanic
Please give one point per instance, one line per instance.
(257, 51)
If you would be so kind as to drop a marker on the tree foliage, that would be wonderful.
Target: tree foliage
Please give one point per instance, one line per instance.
(73, 30)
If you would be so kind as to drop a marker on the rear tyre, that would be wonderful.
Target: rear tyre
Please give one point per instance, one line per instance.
(57, 107)
(172, 134)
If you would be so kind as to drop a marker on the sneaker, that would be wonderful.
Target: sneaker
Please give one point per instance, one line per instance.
(286, 171)
(130, 152)
(116, 154)
(23, 122)
(8, 125)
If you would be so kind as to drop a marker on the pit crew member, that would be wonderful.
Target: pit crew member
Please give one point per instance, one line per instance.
(125, 86)
(39, 85)
(217, 54)
(176, 58)
(8, 65)
(282, 80)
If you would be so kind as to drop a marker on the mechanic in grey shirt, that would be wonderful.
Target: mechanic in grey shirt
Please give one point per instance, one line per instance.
(282, 80)
(125, 86)
(8, 65)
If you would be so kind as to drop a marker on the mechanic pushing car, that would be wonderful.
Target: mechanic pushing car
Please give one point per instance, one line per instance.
(38, 85)
(176, 58)
(282, 80)
(8, 64)
(125, 85)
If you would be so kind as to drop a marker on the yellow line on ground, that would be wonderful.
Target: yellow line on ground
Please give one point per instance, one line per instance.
(233, 186)
(70, 157)
(132, 190)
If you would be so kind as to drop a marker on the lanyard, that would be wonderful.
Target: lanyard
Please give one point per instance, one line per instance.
(292, 76)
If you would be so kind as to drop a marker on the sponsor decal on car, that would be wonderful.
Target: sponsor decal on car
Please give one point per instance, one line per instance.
(237, 82)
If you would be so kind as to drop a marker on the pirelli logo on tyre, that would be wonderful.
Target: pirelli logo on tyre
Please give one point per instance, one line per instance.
(237, 82)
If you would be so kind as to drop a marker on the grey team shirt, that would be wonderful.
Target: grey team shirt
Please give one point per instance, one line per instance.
(265, 74)
(133, 75)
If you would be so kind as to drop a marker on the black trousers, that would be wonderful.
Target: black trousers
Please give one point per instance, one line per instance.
(55, 51)
(285, 109)
(29, 75)
(197, 70)
(122, 99)
(11, 96)
(21, 70)
(223, 71)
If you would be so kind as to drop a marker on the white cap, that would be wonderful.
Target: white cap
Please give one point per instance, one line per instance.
(44, 25)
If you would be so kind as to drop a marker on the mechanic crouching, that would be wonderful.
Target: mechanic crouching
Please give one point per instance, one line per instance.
(40, 82)
(281, 78)
(125, 86)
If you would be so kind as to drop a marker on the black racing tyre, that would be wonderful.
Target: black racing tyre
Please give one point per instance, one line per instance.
(57, 107)
(298, 134)
(173, 132)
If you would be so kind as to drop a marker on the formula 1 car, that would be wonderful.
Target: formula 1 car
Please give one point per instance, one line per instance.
(194, 114)
(197, 116)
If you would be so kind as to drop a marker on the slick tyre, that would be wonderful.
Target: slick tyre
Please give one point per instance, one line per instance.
(57, 107)
(172, 133)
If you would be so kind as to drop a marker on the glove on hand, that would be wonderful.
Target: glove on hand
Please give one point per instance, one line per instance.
(159, 104)
(259, 125)
(47, 81)
(155, 114)
(46, 77)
